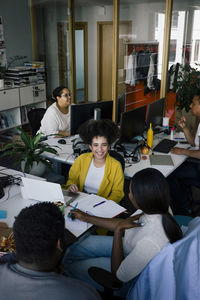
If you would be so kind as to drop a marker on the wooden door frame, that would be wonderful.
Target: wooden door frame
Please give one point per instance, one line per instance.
(99, 24)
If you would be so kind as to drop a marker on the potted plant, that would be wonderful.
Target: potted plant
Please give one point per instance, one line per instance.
(186, 86)
(28, 151)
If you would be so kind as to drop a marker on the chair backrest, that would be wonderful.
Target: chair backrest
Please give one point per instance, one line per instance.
(118, 157)
(35, 116)
(173, 273)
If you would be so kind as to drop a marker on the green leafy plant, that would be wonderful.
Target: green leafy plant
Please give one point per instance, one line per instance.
(29, 149)
(186, 86)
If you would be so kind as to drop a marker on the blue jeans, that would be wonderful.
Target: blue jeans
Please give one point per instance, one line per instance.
(93, 251)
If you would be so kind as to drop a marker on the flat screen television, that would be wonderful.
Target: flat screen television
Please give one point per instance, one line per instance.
(132, 124)
(155, 113)
(80, 113)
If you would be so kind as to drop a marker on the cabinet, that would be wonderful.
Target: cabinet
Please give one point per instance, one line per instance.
(16, 102)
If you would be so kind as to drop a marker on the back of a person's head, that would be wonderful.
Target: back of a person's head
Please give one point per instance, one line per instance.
(95, 128)
(37, 230)
(151, 192)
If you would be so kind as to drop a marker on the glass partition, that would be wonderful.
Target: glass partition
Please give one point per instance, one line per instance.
(97, 17)
(184, 49)
(141, 30)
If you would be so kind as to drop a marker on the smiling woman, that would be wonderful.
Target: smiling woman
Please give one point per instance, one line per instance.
(56, 120)
(97, 172)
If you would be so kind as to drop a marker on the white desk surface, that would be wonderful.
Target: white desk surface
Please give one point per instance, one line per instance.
(13, 202)
(65, 155)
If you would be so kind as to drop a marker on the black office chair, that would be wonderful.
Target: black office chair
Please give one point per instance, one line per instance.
(118, 157)
(105, 279)
(35, 116)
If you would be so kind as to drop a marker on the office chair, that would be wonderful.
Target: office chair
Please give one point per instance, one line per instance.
(118, 157)
(35, 116)
(105, 279)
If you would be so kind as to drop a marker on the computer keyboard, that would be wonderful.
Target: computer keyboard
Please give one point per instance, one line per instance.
(164, 146)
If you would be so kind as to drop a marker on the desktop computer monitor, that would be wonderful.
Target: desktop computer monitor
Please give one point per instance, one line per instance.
(155, 113)
(132, 124)
(80, 113)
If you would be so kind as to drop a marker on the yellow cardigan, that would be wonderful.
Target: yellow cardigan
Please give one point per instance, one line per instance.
(112, 185)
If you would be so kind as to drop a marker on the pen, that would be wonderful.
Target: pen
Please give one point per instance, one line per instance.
(99, 203)
(178, 138)
(75, 206)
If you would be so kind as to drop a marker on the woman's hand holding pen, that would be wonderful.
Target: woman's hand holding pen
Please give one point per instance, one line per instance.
(78, 214)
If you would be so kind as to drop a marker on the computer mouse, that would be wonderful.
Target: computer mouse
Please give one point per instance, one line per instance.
(62, 141)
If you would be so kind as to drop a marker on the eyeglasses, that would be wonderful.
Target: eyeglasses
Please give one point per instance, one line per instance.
(66, 95)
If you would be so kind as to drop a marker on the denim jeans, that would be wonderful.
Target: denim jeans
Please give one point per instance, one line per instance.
(93, 251)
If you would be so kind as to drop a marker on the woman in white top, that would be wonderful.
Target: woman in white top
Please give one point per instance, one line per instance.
(145, 234)
(188, 174)
(56, 119)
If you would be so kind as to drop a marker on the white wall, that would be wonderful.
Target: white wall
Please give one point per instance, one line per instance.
(17, 28)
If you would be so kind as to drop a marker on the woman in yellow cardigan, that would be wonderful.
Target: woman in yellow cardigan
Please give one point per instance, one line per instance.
(97, 172)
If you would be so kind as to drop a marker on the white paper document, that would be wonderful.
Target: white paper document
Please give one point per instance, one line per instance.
(99, 206)
(41, 190)
(94, 205)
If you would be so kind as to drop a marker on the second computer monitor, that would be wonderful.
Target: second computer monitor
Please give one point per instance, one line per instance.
(80, 113)
(155, 113)
(132, 124)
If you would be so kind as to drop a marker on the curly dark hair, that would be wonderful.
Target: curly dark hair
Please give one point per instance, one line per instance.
(37, 230)
(95, 128)
(151, 192)
(57, 92)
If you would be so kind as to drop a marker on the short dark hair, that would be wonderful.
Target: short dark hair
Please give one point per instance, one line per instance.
(95, 128)
(57, 92)
(151, 192)
(37, 230)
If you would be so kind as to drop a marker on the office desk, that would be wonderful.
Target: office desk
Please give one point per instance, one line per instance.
(65, 155)
(13, 203)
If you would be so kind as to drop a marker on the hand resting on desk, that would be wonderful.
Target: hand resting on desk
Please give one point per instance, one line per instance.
(189, 152)
(107, 223)
(178, 151)
(73, 188)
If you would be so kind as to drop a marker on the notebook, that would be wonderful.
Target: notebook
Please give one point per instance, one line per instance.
(164, 146)
(161, 160)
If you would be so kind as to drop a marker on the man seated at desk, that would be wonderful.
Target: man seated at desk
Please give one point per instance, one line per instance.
(39, 237)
